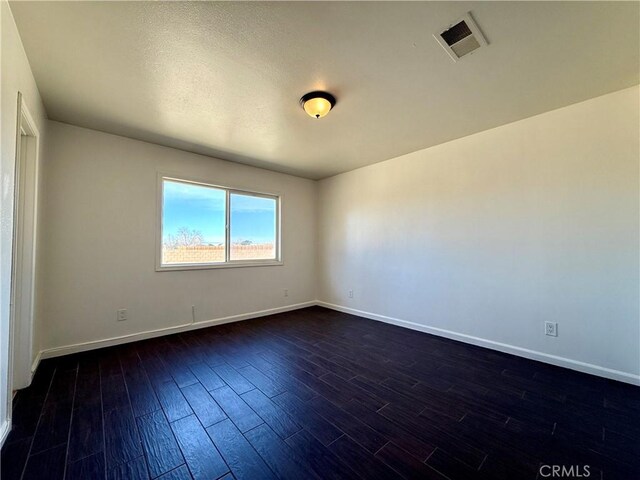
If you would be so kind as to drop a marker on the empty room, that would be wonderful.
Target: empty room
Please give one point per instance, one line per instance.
(319, 240)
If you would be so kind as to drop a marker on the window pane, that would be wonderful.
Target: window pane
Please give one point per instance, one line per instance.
(253, 227)
(193, 223)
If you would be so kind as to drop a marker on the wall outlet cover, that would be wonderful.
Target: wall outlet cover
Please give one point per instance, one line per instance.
(551, 329)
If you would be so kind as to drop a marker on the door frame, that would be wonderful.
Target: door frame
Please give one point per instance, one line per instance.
(23, 252)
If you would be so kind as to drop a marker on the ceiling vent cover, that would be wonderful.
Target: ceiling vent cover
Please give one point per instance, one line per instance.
(461, 38)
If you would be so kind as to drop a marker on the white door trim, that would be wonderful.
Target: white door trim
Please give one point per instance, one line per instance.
(23, 251)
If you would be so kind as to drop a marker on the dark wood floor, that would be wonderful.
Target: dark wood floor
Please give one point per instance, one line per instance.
(316, 394)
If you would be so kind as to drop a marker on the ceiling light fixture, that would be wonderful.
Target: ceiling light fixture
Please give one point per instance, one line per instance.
(317, 104)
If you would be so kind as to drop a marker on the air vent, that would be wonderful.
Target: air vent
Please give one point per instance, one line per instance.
(461, 38)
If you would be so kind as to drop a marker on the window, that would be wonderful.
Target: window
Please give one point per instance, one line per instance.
(207, 226)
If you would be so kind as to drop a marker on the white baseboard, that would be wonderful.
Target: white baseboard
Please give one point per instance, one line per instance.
(482, 342)
(501, 347)
(108, 342)
(36, 362)
(5, 428)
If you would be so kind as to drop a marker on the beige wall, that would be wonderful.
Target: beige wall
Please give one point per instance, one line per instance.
(101, 190)
(486, 237)
(16, 77)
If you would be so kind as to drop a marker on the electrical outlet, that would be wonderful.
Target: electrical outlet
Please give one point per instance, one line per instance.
(350, 293)
(551, 329)
(286, 292)
(122, 315)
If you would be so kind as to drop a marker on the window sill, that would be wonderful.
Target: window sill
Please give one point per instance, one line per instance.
(200, 266)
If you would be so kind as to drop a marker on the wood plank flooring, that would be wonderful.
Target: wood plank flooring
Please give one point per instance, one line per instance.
(316, 394)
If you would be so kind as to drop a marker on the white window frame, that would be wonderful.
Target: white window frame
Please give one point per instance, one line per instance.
(228, 263)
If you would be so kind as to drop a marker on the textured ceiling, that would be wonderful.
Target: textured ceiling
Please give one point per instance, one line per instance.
(224, 79)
